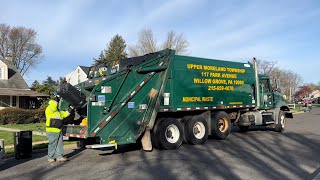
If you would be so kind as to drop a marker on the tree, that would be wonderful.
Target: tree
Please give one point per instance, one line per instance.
(50, 81)
(289, 80)
(177, 42)
(266, 67)
(116, 51)
(35, 84)
(147, 43)
(19, 43)
(47, 87)
(303, 91)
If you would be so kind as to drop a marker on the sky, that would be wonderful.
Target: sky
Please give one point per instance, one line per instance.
(73, 32)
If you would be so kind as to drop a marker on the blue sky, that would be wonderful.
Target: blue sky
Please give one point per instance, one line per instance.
(74, 32)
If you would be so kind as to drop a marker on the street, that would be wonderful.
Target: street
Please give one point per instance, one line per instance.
(258, 154)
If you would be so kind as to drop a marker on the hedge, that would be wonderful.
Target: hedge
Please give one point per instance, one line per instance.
(21, 116)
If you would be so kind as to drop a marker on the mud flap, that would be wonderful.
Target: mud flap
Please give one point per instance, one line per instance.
(288, 114)
(146, 141)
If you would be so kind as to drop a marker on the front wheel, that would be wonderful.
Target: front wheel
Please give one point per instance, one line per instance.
(168, 133)
(280, 126)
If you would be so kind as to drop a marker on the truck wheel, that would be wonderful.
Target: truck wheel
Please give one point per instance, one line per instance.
(244, 128)
(281, 122)
(154, 140)
(196, 130)
(169, 133)
(221, 125)
(183, 121)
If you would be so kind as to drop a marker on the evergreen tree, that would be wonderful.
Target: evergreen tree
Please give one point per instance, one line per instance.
(35, 84)
(116, 51)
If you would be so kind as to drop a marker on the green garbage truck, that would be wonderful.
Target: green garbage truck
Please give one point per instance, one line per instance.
(163, 99)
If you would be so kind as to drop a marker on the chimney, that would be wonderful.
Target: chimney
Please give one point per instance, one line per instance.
(8, 57)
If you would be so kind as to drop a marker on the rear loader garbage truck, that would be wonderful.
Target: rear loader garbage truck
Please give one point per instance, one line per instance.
(163, 99)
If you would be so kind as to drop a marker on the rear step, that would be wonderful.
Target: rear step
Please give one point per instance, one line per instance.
(99, 146)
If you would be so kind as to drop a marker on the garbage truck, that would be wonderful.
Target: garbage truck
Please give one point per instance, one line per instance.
(163, 99)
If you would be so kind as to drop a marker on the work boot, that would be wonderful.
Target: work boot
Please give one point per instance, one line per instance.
(62, 159)
(51, 160)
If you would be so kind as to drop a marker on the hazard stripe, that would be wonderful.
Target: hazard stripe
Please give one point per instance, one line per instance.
(132, 93)
(95, 131)
(102, 124)
(206, 108)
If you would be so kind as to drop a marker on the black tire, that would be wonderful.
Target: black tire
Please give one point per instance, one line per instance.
(244, 128)
(154, 140)
(220, 125)
(196, 130)
(280, 126)
(169, 133)
(183, 121)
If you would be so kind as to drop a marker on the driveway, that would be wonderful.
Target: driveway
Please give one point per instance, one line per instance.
(258, 154)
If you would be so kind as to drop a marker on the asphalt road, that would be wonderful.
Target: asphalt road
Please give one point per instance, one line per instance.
(257, 154)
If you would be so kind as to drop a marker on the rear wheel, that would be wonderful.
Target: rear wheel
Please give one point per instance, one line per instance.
(154, 140)
(196, 130)
(280, 126)
(220, 125)
(183, 121)
(168, 133)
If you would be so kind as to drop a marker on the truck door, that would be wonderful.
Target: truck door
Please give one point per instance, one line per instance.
(266, 93)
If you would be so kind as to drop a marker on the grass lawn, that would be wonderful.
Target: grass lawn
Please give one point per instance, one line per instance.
(8, 137)
(41, 127)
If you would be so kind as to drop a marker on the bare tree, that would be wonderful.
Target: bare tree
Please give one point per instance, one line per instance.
(20, 44)
(147, 43)
(266, 67)
(289, 80)
(177, 42)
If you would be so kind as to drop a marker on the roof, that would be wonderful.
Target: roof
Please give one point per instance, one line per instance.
(85, 69)
(21, 92)
(15, 80)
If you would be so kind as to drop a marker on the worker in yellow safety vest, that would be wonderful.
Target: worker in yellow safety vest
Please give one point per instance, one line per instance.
(54, 123)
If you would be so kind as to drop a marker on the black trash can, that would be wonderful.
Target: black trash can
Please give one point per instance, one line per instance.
(23, 144)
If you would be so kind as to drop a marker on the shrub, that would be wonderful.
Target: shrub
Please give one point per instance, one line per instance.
(21, 116)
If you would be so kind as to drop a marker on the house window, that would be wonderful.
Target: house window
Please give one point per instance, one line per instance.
(78, 78)
(4, 101)
(14, 101)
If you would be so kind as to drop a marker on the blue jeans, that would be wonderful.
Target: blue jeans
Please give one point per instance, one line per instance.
(55, 146)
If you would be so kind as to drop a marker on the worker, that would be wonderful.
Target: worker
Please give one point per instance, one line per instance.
(54, 123)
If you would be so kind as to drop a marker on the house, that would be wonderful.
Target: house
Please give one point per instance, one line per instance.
(14, 91)
(315, 94)
(80, 74)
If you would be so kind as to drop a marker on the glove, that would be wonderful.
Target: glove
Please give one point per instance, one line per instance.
(56, 99)
(70, 110)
